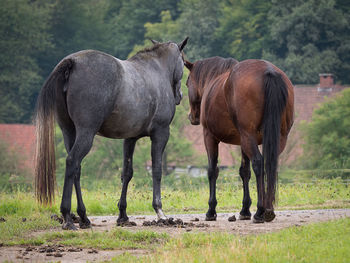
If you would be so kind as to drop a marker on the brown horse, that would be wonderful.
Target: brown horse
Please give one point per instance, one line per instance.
(244, 103)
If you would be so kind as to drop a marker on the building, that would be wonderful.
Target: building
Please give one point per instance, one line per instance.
(20, 139)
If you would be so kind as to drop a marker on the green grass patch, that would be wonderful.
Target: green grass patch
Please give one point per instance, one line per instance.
(322, 242)
(18, 227)
(324, 193)
(113, 239)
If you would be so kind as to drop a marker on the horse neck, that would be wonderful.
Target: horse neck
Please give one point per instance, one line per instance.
(217, 81)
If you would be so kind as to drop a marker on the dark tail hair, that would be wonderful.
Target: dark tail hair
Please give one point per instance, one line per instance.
(276, 95)
(45, 164)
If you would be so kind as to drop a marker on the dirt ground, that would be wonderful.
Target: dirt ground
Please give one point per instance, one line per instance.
(193, 223)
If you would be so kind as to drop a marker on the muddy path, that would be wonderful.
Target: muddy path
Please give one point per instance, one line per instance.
(182, 223)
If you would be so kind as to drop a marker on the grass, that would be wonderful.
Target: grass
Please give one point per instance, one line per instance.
(14, 229)
(326, 242)
(322, 242)
(114, 239)
(325, 193)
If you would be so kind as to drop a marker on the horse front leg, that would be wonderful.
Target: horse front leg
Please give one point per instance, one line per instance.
(159, 140)
(127, 173)
(211, 145)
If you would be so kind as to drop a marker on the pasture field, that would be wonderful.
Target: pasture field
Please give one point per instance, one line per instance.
(187, 197)
(28, 224)
(322, 242)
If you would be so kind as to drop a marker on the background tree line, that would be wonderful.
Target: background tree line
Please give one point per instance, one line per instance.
(302, 37)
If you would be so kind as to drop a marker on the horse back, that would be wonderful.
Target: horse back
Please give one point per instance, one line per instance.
(143, 102)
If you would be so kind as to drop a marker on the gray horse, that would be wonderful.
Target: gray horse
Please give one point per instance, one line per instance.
(89, 93)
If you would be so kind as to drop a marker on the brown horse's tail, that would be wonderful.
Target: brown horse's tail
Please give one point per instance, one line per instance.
(276, 94)
(45, 164)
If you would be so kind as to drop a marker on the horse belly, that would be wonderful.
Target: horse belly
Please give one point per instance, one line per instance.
(219, 123)
(121, 125)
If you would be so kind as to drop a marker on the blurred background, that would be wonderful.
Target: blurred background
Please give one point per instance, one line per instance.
(307, 39)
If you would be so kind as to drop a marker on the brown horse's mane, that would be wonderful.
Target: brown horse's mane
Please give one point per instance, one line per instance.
(209, 68)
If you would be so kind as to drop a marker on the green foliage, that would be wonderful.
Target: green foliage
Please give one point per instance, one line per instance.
(327, 135)
(243, 29)
(163, 31)
(23, 34)
(76, 25)
(304, 38)
(309, 37)
(198, 20)
(128, 22)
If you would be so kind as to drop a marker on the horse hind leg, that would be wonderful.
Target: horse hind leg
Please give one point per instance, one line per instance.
(84, 222)
(250, 148)
(245, 174)
(81, 146)
(129, 146)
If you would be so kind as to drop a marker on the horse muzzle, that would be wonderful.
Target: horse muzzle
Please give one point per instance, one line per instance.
(194, 121)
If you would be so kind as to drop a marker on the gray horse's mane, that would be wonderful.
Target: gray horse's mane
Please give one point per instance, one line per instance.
(148, 52)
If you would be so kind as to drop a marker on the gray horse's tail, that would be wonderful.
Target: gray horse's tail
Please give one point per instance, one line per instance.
(45, 164)
(276, 94)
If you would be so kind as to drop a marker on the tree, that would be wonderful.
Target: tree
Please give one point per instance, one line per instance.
(128, 22)
(243, 30)
(76, 25)
(327, 135)
(23, 34)
(309, 37)
(166, 30)
(199, 20)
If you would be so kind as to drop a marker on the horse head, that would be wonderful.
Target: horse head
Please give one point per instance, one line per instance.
(177, 52)
(178, 72)
(194, 95)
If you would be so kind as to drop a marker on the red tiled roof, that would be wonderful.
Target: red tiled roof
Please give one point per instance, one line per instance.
(21, 139)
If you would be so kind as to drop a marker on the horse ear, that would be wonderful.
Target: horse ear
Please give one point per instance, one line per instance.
(155, 42)
(188, 65)
(182, 44)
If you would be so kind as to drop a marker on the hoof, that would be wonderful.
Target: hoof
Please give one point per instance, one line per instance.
(84, 224)
(258, 220)
(244, 217)
(69, 226)
(210, 217)
(122, 220)
(269, 215)
(161, 215)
